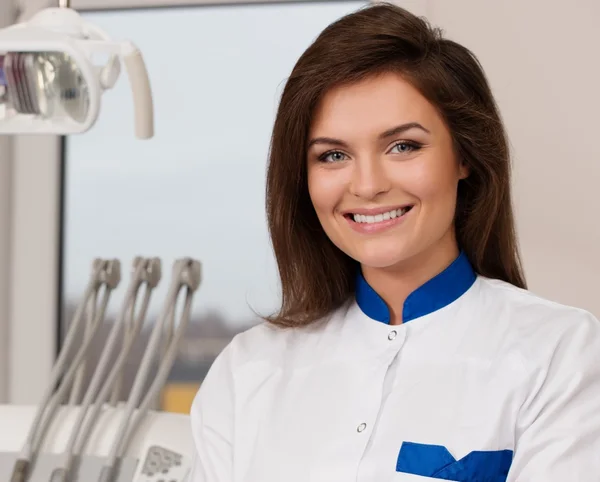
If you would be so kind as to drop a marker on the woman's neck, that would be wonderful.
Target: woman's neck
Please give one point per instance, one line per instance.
(395, 284)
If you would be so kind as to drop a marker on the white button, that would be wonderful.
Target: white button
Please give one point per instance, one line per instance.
(392, 335)
(361, 427)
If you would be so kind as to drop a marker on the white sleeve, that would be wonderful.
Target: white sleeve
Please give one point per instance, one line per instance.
(559, 427)
(212, 423)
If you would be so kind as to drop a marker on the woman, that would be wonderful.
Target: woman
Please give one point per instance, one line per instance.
(406, 347)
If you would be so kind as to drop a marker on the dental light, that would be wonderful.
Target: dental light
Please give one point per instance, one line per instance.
(49, 83)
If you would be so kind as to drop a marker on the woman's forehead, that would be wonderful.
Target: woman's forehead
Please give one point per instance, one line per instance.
(372, 106)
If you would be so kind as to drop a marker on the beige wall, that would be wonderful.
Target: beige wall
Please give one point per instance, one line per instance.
(541, 57)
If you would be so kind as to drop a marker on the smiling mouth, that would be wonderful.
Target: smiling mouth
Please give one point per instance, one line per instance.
(378, 218)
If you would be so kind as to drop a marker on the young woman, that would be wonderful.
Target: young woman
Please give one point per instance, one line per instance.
(407, 347)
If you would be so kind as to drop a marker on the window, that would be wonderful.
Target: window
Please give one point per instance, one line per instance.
(197, 188)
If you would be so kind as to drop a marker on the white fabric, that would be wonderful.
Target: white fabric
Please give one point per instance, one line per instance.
(497, 369)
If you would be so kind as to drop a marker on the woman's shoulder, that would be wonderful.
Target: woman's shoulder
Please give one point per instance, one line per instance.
(269, 343)
(527, 305)
(538, 325)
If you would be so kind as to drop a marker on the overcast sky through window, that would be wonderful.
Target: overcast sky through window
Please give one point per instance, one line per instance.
(197, 188)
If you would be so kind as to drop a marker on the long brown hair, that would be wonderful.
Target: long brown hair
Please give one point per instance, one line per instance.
(316, 277)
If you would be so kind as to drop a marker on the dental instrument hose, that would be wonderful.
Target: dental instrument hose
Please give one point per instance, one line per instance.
(105, 274)
(162, 374)
(146, 272)
(186, 275)
(118, 385)
(80, 376)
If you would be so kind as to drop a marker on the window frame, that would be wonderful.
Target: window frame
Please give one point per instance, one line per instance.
(36, 227)
(97, 5)
(418, 7)
(35, 265)
(8, 14)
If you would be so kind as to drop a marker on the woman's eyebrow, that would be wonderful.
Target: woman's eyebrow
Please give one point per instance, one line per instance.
(330, 141)
(394, 131)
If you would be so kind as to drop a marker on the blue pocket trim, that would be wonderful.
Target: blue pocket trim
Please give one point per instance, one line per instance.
(436, 461)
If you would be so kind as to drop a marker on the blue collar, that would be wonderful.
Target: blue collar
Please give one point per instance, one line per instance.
(436, 293)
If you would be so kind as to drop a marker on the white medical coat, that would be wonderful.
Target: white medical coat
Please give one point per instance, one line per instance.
(483, 382)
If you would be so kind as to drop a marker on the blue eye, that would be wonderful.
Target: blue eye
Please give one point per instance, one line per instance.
(405, 147)
(333, 156)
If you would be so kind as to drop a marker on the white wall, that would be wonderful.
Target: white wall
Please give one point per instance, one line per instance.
(541, 57)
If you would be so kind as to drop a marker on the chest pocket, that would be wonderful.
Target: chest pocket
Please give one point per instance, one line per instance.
(437, 462)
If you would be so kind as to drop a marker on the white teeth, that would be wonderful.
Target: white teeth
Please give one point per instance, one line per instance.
(362, 218)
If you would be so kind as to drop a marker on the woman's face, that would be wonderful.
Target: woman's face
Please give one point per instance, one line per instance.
(382, 173)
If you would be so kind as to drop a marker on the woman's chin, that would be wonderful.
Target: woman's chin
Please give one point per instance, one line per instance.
(380, 253)
(381, 260)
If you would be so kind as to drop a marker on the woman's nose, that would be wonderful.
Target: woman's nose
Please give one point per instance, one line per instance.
(369, 179)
